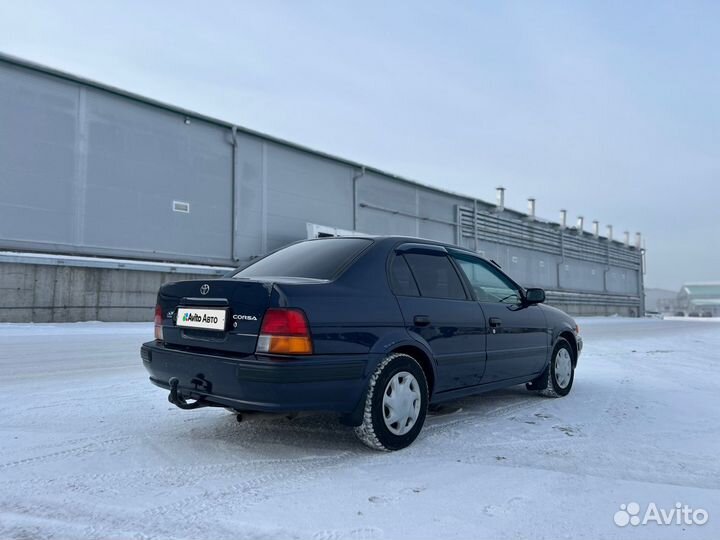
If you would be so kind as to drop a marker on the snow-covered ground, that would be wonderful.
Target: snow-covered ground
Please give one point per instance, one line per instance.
(89, 449)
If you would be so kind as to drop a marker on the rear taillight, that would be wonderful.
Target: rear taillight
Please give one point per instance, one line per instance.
(158, 323)
(284, 331)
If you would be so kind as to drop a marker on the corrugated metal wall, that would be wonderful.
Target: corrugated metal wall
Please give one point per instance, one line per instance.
(87, 171)
(90, 170)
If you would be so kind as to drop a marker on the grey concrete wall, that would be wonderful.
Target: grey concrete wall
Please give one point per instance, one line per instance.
(43, 293)
(595, 310)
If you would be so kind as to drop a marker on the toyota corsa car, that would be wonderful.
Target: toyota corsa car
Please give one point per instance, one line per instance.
(375, 329)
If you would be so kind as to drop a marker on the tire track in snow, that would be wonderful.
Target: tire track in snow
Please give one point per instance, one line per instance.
(85, 449)
(186, 475)
(203, 503)
(477, 416)
(191, 510)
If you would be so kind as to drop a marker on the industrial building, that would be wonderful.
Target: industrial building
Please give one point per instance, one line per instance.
(106, 194)
(701, 299)
(698, 299)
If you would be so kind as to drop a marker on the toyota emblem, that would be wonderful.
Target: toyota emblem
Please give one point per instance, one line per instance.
(204, 289)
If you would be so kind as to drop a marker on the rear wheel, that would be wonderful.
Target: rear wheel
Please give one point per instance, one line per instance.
(396, 404)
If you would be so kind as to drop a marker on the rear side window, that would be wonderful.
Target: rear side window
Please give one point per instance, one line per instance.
(435, 275)
(316, 259)
(401, 279)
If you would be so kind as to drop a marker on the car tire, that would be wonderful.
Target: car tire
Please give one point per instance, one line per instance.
(558, 377)
(398, 381)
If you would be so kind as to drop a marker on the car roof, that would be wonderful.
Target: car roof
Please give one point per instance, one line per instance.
(395, 239)
(410, 239)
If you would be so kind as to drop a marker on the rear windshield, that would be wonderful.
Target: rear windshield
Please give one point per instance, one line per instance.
(316, 259)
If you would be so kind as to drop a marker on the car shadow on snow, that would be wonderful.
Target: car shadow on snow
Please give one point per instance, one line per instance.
(310, 434)
(270, 435)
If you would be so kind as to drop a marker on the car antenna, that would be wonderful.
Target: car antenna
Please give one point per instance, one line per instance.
(495, 263)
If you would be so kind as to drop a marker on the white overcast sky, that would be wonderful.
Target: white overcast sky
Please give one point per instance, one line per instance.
(609, 109)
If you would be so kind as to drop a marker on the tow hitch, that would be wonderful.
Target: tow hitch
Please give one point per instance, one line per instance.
(176, 399)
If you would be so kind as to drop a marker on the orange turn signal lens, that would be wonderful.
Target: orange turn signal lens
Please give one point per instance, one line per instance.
(284, 331)
(284, 344)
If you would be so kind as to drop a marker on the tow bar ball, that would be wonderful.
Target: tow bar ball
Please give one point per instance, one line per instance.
(176, 399)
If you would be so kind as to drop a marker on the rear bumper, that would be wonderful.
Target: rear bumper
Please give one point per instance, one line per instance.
(258, 383)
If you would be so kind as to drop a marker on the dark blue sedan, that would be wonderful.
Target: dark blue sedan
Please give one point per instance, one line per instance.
(373, 328)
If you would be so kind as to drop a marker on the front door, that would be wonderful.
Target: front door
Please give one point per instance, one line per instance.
(518, 338)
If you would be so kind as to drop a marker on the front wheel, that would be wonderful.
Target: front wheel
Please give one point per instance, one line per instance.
(396, 404)
(559, 375)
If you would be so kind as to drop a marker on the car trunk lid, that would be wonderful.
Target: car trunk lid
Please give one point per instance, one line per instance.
(243, 303)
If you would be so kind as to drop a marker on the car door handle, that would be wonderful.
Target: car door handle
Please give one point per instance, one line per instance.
(495, 322)
(421, 320)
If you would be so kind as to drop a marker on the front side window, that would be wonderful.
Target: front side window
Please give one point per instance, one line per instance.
(435, 276)
(489, 284)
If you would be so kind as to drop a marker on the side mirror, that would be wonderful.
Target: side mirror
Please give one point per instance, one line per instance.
(534, 296)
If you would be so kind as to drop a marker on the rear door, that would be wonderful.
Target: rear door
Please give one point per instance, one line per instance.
(438, 310)
(518, 337)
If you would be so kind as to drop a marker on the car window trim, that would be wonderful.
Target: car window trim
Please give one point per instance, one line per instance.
(420, 247)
